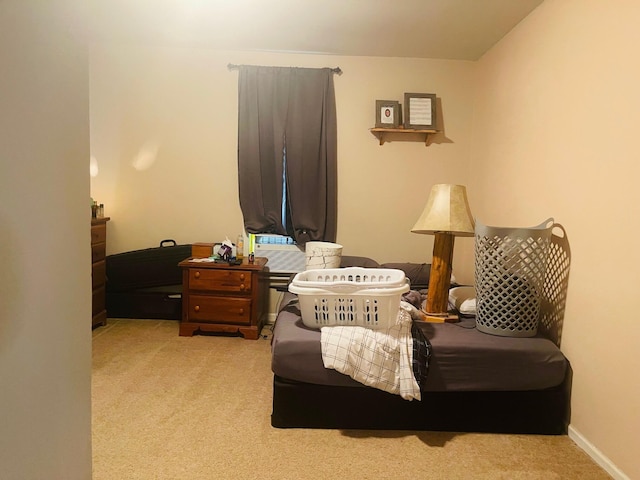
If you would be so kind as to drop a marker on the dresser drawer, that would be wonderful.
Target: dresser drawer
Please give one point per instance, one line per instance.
(98, 303)
(98, 252)
(204, 308)
(98, 273)
(224, 281)
(98, 233)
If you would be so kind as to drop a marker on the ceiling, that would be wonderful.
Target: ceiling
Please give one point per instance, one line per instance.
(446, 29)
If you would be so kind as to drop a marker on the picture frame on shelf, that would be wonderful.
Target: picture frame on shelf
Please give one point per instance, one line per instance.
(420, 111)
(388, 114)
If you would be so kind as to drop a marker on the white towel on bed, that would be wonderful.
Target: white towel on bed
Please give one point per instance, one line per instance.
(377, 358)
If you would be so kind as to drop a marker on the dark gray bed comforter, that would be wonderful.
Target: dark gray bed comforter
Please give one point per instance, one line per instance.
(462, 358)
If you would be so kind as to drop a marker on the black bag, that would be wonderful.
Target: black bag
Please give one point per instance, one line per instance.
(150, 267)
(156, 302)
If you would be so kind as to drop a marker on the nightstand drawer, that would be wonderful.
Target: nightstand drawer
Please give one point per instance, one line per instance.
(203, 308)
(227, 281)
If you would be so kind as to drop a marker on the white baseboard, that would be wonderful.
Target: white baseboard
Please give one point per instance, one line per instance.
(596, 455)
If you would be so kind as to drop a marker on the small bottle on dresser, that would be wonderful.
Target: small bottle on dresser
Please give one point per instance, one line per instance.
(240, 247)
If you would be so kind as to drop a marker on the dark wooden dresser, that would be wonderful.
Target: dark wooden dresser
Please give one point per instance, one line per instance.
(218, 297)
(98, 270)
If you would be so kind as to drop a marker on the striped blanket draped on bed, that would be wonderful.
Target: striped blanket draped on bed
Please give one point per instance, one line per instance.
(381, 359)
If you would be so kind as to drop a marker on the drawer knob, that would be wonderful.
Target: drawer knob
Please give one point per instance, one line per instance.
(242, 311)
(196, 308)
(242, 276)
(242, 287)
(197, 274)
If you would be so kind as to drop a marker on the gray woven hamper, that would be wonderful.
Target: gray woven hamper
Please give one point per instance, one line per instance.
(510, 270)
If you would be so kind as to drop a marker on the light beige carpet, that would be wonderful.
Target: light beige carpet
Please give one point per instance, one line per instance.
(191, 408)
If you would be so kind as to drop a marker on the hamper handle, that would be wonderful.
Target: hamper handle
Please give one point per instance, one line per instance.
(548, 223)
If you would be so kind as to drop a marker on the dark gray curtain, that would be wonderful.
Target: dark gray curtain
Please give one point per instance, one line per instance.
(292, 108)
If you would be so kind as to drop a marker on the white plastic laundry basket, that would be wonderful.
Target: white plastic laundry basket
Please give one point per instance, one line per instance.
(354, 296)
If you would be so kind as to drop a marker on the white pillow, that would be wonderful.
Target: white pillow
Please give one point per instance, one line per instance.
(464, 299)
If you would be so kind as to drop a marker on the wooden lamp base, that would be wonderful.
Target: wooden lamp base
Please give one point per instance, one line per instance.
(448, 318)
(437, 308)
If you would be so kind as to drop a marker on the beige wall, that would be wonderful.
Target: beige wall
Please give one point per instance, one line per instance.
(555, 134)
(45, 279)
(542, 126)
(176, 109)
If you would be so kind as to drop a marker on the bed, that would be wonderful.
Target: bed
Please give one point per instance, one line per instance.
(476, 382)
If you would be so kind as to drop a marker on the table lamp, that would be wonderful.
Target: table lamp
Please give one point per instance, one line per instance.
(446, 215)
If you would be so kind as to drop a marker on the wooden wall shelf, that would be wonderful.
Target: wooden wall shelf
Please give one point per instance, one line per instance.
(381, 133)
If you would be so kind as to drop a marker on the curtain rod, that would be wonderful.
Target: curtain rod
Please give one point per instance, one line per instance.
(232, 66)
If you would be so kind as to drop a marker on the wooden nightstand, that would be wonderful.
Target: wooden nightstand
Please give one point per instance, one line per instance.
(218, 297)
